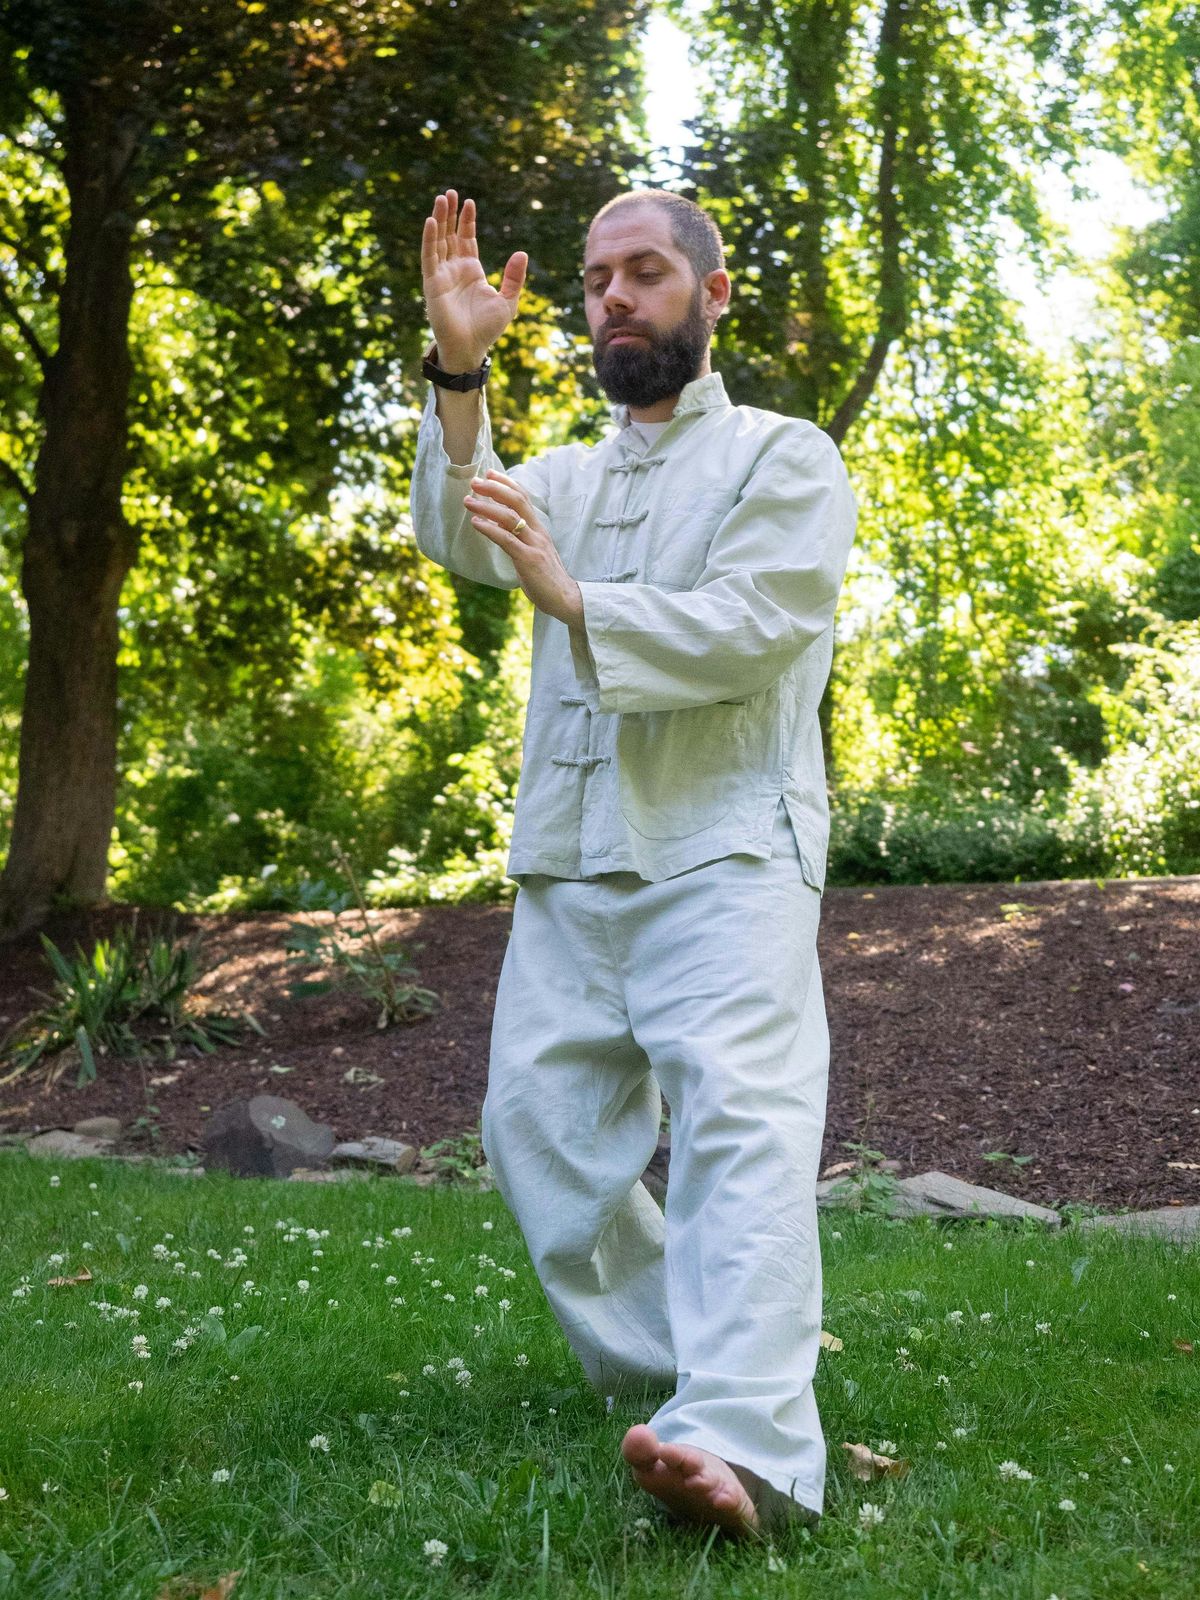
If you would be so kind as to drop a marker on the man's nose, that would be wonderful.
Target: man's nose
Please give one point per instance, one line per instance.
(617, 297)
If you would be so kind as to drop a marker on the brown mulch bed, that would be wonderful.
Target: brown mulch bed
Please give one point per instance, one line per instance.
(1065, 1027)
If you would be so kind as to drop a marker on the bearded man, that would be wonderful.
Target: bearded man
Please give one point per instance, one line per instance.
(669, 849)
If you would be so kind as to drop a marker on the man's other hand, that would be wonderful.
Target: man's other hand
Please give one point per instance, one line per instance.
(496, 505)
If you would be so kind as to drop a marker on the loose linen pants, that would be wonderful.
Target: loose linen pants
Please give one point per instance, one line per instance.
(705, 986)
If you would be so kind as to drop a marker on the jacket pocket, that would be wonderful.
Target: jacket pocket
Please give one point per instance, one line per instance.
(679, 772)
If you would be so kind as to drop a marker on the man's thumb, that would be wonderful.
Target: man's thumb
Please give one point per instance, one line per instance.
(514, 276)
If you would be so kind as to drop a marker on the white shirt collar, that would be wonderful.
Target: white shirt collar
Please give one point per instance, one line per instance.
(702, 394)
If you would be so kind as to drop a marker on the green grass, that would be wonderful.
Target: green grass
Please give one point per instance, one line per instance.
(110, 1489)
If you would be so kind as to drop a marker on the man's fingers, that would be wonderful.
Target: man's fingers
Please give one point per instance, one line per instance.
(466, 230)
(514, 275)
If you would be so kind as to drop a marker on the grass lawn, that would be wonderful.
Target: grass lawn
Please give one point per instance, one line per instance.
(359, 1390)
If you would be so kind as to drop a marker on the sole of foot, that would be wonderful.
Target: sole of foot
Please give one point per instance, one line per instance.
(695, 1484)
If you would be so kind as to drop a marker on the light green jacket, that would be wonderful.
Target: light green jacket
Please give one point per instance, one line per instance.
(710, 565)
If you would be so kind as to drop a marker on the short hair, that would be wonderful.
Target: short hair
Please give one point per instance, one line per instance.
(693, 231)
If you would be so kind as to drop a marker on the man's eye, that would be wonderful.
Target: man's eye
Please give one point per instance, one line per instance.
(649, 276)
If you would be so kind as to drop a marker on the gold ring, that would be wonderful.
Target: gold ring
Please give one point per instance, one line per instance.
(520, 523)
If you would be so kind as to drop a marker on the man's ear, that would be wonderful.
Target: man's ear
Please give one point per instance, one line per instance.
(719, 292)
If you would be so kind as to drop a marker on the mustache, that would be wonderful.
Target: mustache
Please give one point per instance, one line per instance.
(626, 327)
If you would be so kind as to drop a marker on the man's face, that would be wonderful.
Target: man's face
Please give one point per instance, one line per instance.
(638, 282)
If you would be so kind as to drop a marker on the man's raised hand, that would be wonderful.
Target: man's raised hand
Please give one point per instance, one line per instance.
(466, 314)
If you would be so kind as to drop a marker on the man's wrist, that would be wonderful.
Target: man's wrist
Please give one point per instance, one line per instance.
(454, 361)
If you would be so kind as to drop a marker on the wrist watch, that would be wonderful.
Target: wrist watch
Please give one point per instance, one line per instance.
(454, 380)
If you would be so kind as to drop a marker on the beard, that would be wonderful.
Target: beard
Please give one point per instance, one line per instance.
(643, 374)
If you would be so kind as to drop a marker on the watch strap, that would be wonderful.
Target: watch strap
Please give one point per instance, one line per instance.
(462, 381)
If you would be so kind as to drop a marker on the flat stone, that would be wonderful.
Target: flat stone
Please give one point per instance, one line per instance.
(1167, 1222)
(375, 1151)
(937, 1194)
(64, 1144)
(99, 1127)
(322, 1175)
(265, 1136)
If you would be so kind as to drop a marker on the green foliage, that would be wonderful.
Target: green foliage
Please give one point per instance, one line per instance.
(122, 1000)
(460, 1159)
(359, 959)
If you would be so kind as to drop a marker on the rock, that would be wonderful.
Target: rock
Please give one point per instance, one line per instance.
(63, 1143)
(265, 1136)
(322, 1175)
(375, 1151)
(1168, 1222)
(99, 1127)
(937, 1194)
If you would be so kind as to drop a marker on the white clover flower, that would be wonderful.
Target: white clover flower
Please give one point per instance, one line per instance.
(332, 1304)
(216, 1311)
(3, 1493)
(869, 1516)
(213, 1255)
(391, 1279)
(505, 1305)
(887, 1447)
(1082, 1475)
(398, 1300)
(435, 1550)
(449, 1297)
(961, 1433)
(487, 1226)
(985, 1316)
(943, 1379)
(139, 1341)
(481, 1289)
(248, 1229)
(93, 1185)
(1167, 1467)
(303, 1285)
(456, 1361)
(1172, 1297)
(436, 1283)
(1042, 1327)
(941, 1445)
(136, 1385)
(1126, 1462)
(401, 1233)
(162, 1303)
(428, 1370)
(140, 1292)
(954, 1316)
(1031, 1263)
(319, 1441)
(522, 1360)
(221, 1475)
(835, 1234)
(947, 1247)
(56, 1260)
(1066, 1505)
(1010, 1469)
(55, 1181)
(463, 1377)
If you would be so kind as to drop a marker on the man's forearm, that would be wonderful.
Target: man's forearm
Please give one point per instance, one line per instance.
(460, 416)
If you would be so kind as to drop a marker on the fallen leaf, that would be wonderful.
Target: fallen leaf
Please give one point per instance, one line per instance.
(61, 1283)
(191, 1588)
(830, 1342)
(1185, 1166)
(382, 1493)
(838, 1166)
(398, 1377)
(1185, 1345)
(867, 1465)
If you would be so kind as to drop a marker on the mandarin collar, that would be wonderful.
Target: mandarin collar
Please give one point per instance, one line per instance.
(705, 393)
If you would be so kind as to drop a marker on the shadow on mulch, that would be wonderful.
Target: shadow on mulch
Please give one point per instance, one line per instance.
(1058, 1020)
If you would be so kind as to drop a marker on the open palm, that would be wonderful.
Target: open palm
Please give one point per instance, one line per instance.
(466, 314)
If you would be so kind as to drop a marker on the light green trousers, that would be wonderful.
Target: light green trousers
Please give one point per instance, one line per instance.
(707, 987)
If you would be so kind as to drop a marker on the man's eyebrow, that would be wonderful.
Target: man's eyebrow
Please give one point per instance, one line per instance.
(634, 255)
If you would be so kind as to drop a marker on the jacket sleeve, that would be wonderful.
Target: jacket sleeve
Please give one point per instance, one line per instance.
(441, 523)
(768, 590)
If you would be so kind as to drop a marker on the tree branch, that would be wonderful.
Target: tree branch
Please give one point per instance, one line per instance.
(31, 338)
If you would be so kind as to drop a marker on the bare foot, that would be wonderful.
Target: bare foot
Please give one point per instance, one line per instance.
(696, 1484)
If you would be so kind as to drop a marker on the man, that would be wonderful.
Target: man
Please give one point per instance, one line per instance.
(669, 848)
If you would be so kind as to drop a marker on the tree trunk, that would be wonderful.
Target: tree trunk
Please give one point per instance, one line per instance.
(78, 546)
